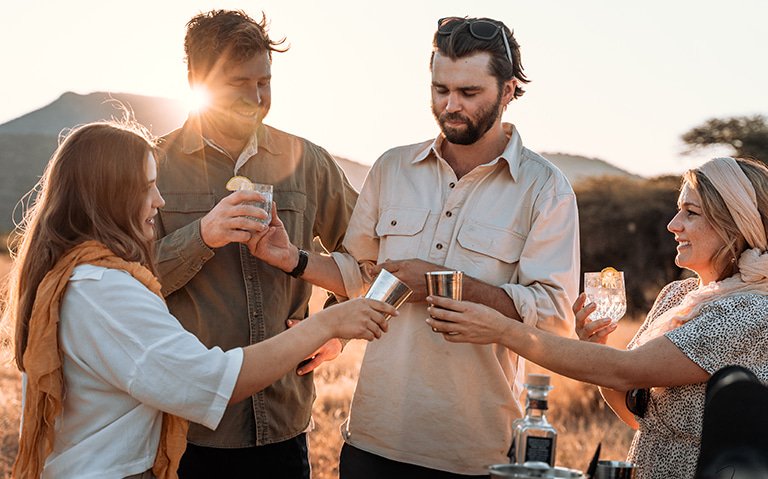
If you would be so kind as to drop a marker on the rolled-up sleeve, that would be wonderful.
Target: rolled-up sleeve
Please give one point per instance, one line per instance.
(546, 284)
(361, 240)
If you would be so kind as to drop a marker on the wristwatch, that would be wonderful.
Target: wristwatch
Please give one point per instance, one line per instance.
(303, 260)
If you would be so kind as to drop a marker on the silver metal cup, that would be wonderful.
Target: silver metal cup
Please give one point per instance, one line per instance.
(387, 288)
(447, 284)
(615, 470)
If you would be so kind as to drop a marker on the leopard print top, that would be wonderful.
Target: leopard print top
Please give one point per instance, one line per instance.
(729, 331)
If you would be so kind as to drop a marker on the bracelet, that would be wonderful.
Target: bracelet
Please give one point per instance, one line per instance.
(303, 260)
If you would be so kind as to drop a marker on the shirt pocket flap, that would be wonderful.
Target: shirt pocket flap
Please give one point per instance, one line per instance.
(188, 203)
(502, 244)
(291, 201)
(401, 221)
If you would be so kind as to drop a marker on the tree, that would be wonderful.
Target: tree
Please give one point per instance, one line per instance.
(747, 135)
(623, 223)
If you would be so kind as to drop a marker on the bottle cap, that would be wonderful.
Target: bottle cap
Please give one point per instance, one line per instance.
(540, 380)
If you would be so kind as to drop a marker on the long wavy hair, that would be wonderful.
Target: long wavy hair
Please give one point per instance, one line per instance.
(92, 189)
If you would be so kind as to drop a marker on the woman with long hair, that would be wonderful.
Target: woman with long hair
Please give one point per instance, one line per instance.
(696, 326)
(108, 372)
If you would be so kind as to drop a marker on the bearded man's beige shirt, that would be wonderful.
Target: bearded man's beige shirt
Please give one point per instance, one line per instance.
(512, 223)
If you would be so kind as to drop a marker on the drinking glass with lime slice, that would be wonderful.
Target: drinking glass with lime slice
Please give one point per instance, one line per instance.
(606, 290)
(243, 183)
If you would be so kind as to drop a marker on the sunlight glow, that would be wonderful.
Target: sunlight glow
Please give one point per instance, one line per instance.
(196, 99)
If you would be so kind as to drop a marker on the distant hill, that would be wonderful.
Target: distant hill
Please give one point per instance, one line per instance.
(577, 168)
(27, 142)
(160, 115)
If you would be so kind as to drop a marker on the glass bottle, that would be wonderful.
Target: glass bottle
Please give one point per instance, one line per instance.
(534, 438)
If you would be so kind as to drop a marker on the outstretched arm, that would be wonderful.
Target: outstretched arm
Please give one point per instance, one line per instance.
(657, 363)
(267, 361)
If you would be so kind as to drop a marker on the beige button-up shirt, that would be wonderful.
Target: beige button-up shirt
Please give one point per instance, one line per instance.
(227, 297)
(511, 222)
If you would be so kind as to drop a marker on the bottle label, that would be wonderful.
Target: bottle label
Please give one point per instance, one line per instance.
(540, 404)
(538, 449)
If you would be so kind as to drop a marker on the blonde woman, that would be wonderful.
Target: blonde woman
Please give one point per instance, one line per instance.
(109, 373)
(695, 327)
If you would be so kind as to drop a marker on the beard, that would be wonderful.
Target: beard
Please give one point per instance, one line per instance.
(225, 120)
(486, 117)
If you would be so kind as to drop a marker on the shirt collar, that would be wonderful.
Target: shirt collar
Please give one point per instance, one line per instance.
(511, 154)
(193, 140)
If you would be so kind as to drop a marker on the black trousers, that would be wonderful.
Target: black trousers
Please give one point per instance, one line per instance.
(288, 459)
(355, 463)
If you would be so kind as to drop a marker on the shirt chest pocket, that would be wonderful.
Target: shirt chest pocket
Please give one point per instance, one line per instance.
(182, 209)
(291, 208)
(491, 248)
(399, 230)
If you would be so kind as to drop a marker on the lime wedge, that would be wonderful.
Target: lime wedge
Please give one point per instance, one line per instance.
(239, 183)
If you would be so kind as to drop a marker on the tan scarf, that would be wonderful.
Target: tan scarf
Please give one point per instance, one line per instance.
(739, 196)
(43, 365)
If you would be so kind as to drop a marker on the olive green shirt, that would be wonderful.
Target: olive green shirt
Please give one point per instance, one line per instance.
(227, 297)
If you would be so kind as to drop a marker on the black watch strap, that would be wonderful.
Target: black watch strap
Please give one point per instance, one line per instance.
(303, 260)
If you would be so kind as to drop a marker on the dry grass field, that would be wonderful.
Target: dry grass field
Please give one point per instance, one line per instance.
(578, 413)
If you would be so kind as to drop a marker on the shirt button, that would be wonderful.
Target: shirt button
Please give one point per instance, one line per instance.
(451, 184)
(393, 222)
(439, 246)
(448, 214)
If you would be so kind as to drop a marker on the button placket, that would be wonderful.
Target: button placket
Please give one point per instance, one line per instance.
(258, 333)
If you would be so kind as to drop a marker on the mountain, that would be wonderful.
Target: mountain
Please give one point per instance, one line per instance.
(160, 115)
(27, 142)
(577, 168)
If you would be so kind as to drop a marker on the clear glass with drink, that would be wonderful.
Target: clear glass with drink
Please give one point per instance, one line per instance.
(266, 205)
(606, 290)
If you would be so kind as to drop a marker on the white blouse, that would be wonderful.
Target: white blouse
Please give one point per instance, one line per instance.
(126, 360)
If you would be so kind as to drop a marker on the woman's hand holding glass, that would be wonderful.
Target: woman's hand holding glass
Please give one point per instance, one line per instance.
(600, 306)
(593, 331)
(466, 322)
(359, 318)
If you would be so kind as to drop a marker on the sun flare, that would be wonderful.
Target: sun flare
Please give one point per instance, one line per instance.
(196, 99)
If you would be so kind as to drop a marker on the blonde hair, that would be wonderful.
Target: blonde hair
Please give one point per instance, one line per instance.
(92, 189)
(716, 212)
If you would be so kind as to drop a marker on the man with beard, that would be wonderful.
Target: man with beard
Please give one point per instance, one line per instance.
(473, 199)
(220, 292)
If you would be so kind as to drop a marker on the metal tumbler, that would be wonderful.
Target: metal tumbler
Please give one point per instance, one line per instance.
(387, 288)
(447, 284)
(615, 470)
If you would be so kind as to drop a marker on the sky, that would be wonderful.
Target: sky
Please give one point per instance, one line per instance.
(618, 81)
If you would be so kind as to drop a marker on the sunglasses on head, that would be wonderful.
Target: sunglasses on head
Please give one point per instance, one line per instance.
(637, 401)
(478, 28)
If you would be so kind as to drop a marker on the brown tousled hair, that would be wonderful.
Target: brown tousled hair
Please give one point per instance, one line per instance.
(716, 212)
(460, 43)
(225, 36)
(92, 189)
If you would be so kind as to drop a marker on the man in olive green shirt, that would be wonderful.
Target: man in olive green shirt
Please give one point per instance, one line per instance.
(216, 288)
